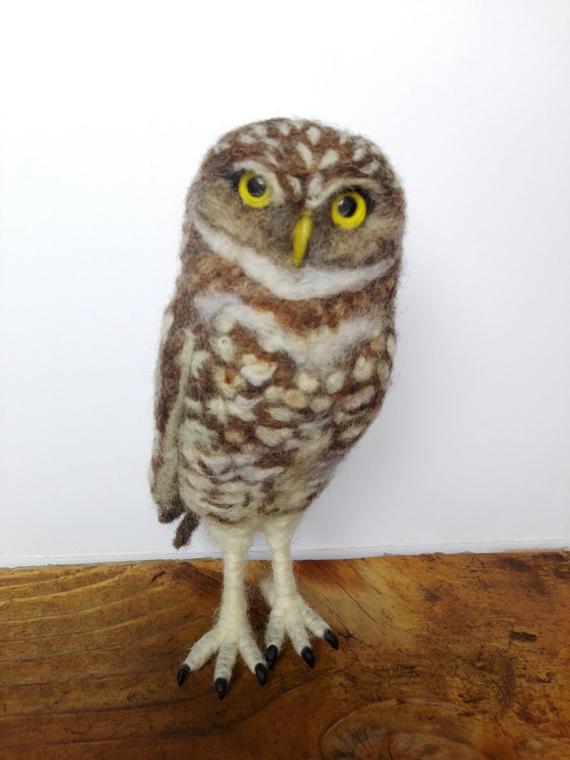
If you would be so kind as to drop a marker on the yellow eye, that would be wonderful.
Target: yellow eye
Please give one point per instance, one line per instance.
(254, 190)
(348, 209)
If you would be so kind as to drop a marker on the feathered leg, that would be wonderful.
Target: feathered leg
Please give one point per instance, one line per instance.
(289, 613)
(232, 632)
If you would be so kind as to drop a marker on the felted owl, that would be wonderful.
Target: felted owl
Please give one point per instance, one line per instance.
(276, 352)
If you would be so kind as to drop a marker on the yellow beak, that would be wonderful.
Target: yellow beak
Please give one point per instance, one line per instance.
(301, 237)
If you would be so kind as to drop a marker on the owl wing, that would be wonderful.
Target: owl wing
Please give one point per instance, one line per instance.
(171, 378)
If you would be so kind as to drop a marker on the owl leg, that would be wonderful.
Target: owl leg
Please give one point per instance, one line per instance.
(289, 612)
(232, 633)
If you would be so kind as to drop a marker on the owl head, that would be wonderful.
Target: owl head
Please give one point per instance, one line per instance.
(302, 194)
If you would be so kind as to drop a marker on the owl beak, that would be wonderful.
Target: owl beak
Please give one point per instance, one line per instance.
(301, 237)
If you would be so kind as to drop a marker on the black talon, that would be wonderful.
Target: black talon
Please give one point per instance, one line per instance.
(271, 655)
(221, 687)
(330, 637)
(261, 673)
(183, 671)
(308, 656)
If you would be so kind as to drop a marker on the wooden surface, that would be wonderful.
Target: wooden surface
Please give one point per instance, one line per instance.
(442, 657)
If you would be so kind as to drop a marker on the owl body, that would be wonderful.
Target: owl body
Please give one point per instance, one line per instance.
(269, 372)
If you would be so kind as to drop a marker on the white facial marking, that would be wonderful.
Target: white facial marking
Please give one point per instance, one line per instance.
(290, 284)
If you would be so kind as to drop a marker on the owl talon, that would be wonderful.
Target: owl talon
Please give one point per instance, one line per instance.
(221, 687)
(308, 656)
(261, 673)
(271, 654)
(331, 638)
(182, 674)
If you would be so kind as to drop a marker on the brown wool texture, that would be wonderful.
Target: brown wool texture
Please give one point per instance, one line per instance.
(261, 389)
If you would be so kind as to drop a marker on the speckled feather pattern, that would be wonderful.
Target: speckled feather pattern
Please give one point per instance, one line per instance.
(268, 376)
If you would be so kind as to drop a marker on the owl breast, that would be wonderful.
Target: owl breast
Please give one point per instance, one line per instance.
(270, 409)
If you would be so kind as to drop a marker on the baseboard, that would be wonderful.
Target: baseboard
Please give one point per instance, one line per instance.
(337, 552)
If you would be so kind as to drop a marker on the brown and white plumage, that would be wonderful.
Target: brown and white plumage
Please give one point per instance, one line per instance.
(269, 373)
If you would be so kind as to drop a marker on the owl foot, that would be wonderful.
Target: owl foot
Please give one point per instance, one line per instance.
(293, 617)
(227, 638)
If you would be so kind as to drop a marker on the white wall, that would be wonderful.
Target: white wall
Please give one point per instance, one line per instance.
(106, 110)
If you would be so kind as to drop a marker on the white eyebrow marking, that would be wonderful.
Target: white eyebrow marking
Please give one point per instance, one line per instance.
(305, 153)
(315, 185)
(314, 134)
(330, 158)
(270, 176)
(335, 185)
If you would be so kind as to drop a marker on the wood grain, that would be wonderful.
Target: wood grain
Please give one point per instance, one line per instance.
(461, 657)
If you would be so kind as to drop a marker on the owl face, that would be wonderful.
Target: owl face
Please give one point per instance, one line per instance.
(302, 194)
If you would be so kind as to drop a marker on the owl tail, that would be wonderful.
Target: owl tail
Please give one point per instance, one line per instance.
(185, 528)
